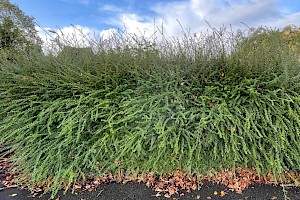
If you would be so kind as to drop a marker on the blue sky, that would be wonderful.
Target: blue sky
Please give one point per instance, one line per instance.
(103, 16)
(90, 13)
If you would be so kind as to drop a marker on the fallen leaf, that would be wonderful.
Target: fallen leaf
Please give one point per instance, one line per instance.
(78, 187)
(231, 186)
(158, 190)
(9, 178)
(194, 186)
(157, 195)
(96, 182)
(13, 195)
(172, 190)
(215, 193)
(223, 193)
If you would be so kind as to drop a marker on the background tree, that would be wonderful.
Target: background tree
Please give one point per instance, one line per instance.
(17, 31)
(267, 51)
(11, 39)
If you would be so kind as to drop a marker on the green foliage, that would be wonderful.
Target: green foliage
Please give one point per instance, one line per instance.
(11, 39)
(17, 33)
(152, 109)
(267, 53)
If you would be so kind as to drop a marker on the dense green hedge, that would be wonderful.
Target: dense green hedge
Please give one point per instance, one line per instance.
(145, 111)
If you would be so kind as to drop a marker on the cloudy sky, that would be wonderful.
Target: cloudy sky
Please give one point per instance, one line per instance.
(104, 16)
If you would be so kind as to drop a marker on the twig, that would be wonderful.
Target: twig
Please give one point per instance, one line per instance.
(100, 193)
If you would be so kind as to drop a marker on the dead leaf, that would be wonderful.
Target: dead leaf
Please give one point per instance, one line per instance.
(13, 195)
(78, 187)
(157, 194)
(158, 190)
(9, 178)
(172, 190)
(194, 186)
(211, 103)
(223, 193)
(193, 97)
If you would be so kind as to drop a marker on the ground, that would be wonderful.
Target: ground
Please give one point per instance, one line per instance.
(129, 191)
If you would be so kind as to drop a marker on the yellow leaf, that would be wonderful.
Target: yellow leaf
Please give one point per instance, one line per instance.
(215, 193)
(223, 193)
(222, 74)
(13, 195)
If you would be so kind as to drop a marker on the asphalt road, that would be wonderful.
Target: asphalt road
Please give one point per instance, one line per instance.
(136, 191)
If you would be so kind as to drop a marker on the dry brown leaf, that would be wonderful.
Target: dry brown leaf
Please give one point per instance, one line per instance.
(172, 190)
(96, 182)
(223, 193)
(193, 97)
(194, 186)
(158, 190)
(78, 187)
(157, 195)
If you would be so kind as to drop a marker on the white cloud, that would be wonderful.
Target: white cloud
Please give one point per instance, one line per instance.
(107, 34)
(76, 36)
(110, 8)
(192, 15)
(195, 14)
(137, 24)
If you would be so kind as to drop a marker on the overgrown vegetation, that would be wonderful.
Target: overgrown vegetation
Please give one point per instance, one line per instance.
(218, 101)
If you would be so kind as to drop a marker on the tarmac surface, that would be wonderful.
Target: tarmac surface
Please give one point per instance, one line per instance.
(135, 191)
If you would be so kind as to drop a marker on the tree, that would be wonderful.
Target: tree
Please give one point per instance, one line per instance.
(11, 38)
(17, 31)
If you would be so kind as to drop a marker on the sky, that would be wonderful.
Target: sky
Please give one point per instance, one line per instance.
(102, 17)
